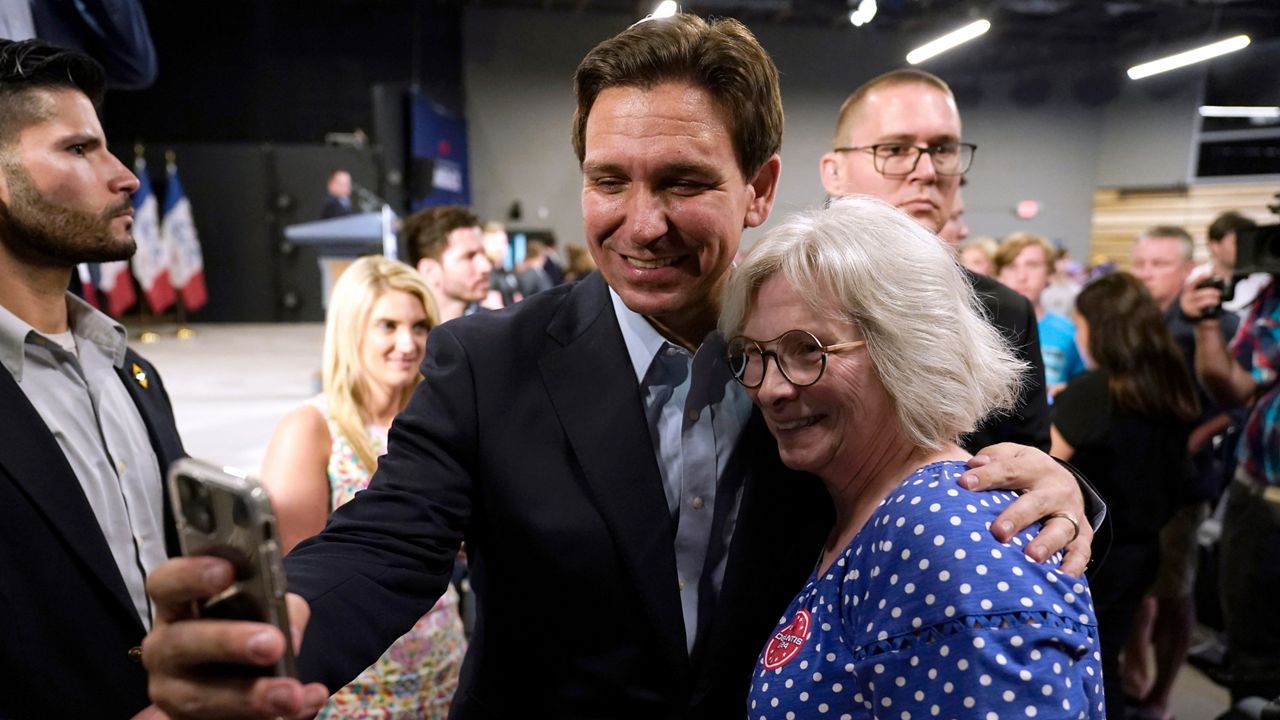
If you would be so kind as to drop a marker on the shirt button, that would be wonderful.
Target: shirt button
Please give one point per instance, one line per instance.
(693, 415)
(120, 466)
(680, 583)
(697, 503)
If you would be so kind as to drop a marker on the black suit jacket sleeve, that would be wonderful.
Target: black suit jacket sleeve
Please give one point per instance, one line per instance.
(1015, 318)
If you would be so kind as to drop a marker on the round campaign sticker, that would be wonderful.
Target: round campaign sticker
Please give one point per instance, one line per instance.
(787, 641)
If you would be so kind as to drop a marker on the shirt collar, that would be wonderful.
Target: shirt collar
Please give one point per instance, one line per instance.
(87, 325)
(92, 325)
(642, 340)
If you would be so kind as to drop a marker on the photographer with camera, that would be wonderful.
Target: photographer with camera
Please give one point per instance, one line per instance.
(1247, 370)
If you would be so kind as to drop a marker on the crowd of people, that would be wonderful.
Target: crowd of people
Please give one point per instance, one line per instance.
(639, 496)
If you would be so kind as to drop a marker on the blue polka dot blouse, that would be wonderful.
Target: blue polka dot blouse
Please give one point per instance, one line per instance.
(926, 615)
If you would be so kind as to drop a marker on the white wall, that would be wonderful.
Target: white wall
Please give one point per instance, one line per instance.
(518, 69)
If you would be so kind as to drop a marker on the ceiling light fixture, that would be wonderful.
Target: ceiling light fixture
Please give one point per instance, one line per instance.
(1240, 111)
(1190, 57)
(665, 9)
(948, 41)
(865, 12)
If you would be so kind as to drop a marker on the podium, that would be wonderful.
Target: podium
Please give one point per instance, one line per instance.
(339, 241)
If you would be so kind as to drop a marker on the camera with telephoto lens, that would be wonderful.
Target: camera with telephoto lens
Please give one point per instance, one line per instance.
(1257, 251)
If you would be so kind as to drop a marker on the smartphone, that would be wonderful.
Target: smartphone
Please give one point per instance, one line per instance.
(226, 514)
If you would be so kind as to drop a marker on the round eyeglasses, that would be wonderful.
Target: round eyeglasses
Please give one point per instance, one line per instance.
(797, 353)
(897, 160)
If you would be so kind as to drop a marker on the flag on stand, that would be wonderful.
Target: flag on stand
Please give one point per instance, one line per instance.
(116, 287)
(88, 284)
(150, 262)
(178, 232)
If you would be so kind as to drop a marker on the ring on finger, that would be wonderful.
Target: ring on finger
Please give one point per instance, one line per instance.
(1075, 524)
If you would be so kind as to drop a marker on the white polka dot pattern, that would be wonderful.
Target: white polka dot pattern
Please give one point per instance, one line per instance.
(926, 615)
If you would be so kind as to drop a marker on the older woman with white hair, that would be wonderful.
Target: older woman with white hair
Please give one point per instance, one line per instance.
(865, 349)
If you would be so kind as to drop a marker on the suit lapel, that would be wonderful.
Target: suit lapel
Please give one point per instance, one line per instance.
(148, 395)
(31, 456)
(593, 388)
(769, 557)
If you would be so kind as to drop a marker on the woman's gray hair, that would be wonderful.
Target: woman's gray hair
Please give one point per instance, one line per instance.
(865, 262)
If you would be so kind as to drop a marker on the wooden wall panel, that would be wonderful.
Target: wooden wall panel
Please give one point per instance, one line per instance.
(1120, 215)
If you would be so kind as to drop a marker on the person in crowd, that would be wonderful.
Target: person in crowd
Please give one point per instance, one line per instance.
(1162, 629)
(1237, 373)
(1161, 259)
(325, 451)
(88, 430)
(504, 288)
(590, 438)
(445, 243)
(1221, 238)
(858, 395)
(113, 32)
(1059, 296)
(534, 272)
(1125, 424)
(337, 202)
(1023, 263)
(580, 263)
(955, 231)
(978, 255)
(898, 138)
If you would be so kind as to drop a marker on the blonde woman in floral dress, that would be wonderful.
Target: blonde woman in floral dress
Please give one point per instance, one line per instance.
(325, 451)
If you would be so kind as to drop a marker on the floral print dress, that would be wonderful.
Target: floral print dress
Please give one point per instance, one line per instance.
(417, 676)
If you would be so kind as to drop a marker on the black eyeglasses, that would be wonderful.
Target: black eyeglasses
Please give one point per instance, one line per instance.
(797, 353)
(896, 160)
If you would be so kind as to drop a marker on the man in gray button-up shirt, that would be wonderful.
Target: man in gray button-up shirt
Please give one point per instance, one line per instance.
(86, 430)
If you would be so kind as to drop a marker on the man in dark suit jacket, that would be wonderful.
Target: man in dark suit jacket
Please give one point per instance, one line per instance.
(86, 429)
(631, 534)
(898, 138)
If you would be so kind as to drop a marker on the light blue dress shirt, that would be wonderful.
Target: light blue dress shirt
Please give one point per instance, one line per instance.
(696, 413)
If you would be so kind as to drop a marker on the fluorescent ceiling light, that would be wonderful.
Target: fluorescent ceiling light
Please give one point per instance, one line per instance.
(948, 41)
(1239, 111)
(863, 15)
(665, 9)
(1200, 54)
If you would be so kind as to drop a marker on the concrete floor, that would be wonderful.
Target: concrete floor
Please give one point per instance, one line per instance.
(230, 384)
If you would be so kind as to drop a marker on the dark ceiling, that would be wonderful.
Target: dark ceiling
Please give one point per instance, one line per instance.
(1024, 32)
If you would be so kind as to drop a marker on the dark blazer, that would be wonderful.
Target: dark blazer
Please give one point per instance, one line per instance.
(69, 632)
(528, 438)
(1015, 318)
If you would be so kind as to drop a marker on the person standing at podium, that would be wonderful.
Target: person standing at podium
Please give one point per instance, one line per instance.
(338, 202)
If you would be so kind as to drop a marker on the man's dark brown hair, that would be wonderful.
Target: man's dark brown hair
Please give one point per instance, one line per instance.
(36, 65)
(722, 57)
(1227, 223)
(426, 232)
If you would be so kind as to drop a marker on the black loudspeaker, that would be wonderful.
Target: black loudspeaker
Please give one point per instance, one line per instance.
(421, 177)
(391, 133)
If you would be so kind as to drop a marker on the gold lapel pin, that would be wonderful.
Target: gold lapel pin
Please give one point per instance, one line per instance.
(140, 375)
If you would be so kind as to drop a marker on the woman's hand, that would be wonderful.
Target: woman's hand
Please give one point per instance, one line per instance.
(1048, 489)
